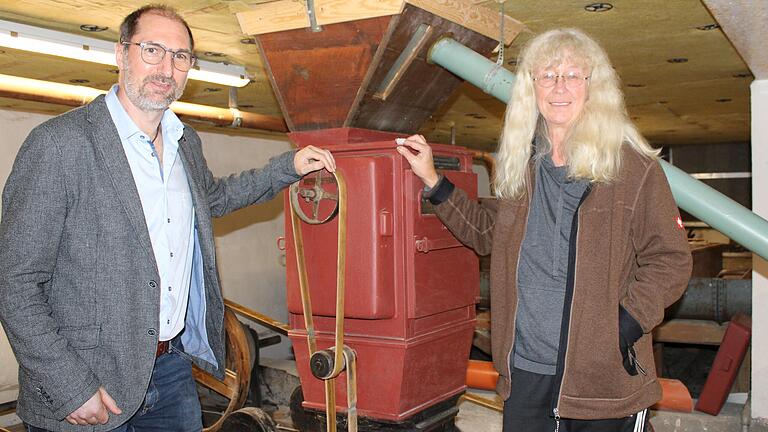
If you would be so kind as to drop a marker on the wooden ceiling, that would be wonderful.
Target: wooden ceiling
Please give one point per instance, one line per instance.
(702, 99)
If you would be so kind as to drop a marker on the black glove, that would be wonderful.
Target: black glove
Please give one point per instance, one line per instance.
(629, 332)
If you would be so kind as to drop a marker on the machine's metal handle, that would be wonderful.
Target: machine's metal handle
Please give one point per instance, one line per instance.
(426, 244)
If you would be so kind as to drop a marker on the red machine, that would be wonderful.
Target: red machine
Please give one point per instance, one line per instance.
(411, 287)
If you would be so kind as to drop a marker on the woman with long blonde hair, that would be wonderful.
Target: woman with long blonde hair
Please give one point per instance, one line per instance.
(586, 242)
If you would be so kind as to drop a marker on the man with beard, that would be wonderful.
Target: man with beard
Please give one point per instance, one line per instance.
(108, 281)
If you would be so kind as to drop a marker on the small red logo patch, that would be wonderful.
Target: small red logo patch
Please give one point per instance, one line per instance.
(679, 221)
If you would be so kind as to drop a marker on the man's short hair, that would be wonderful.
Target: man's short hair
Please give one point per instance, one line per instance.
(129, 24)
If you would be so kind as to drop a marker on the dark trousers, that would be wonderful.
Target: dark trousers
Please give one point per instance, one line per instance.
(529, 409)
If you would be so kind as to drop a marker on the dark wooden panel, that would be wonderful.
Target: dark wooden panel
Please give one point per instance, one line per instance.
(317, 75)
(423, 87)
(707, 258)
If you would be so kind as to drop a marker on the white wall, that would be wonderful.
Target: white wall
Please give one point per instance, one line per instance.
(483, 182)
(251, 267)
(249, 262)
(14, 126)
(759, 89)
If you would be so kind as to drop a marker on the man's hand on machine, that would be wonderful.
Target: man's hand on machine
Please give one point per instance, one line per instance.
(421, 161)
(311, 158)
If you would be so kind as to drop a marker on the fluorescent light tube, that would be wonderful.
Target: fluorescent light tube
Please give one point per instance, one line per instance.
(43, 41)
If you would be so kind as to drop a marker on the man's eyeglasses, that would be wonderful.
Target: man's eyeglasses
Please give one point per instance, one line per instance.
(154, 53)
(572, 80)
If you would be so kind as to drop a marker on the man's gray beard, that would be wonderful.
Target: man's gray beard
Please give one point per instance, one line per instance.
(138, 96)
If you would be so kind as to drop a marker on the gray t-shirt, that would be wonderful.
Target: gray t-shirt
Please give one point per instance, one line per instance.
(543, 267)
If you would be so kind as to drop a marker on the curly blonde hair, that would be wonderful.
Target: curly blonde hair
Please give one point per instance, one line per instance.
(593, 146)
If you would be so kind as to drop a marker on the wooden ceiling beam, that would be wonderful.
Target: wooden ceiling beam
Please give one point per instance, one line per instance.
(284, 15)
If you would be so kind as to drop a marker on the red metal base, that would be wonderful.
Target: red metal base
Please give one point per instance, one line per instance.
(396, 378)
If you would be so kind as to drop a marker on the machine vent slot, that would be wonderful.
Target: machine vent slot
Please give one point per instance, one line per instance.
(447, 163)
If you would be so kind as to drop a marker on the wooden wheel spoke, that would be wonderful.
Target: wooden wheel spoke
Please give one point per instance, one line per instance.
(237, 376)
(228, 388)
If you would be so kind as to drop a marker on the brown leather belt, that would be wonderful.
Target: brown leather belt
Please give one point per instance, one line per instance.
(162, 348)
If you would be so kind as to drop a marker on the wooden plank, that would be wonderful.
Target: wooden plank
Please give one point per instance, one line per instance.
(289, 15)
(707, 259)
(237, 6)
(272, 17)
(423, 87)
(658, 357)
(690, 332)
(377, 56)
(266, 321)
(743, 381)
(227, 388)
(478, 18)
(737, 260)
(336, 11)
(405, 60)
(495, 403)
(482, 340)
(483, 320)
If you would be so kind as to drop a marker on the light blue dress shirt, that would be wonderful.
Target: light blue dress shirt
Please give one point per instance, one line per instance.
(168, 210)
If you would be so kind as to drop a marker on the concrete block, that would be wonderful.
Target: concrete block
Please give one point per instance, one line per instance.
(279, 379)
(729, 420)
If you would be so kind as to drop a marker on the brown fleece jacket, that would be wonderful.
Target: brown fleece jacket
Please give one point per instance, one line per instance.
(631, 250)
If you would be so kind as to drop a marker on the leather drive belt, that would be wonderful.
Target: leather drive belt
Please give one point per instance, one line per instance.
(327, 364)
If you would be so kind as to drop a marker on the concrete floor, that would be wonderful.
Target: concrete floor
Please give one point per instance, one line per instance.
(473, 417)
(281, 375)
(11, 422)
(281, 378)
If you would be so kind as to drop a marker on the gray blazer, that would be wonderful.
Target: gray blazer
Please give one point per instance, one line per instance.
(78, 280)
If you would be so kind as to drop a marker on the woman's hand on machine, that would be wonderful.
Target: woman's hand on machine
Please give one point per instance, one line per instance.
(311, 158)
(420, 158)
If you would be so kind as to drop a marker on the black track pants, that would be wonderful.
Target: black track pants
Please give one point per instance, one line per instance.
(528, 409)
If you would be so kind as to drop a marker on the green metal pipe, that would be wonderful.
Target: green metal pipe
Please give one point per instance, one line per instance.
(708, 205)
(473, 67)
(720, 212)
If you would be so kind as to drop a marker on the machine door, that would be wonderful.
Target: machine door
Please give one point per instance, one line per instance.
(370, 252)
(446, 274)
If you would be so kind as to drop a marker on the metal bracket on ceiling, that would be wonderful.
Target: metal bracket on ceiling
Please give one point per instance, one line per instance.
(489, 80)
(237, 117)
(313, 25)
(500, 59)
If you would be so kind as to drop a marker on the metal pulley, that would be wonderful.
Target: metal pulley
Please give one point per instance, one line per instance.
(329, 363)
(322, 364)
(316, 196)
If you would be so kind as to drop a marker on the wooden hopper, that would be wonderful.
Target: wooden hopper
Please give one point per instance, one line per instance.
(366, 68)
